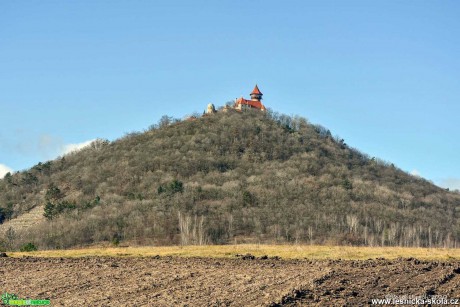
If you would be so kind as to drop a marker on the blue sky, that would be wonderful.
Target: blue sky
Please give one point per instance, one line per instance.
(383, 75)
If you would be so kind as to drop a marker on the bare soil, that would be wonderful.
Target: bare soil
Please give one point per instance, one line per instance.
(243, 281)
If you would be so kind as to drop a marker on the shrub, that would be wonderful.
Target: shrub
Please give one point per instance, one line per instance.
(173, 187)
(52, 210)
(176, 186)
(53, 193)
(347, 185)
(29, 247)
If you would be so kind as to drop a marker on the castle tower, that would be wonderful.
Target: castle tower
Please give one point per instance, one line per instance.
(256, 94)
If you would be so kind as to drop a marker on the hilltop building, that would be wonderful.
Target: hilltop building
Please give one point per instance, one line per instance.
(241, 104)
(210, 109)
(254, 103)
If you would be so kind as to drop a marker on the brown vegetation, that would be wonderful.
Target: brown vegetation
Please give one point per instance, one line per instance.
(317, 252)
(226, 178)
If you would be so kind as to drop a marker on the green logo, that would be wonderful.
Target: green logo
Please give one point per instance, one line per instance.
(9, 299)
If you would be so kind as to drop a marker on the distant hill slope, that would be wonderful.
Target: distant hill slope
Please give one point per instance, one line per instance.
(230, 177)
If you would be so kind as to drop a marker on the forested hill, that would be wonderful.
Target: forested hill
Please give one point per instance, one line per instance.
(226, 178)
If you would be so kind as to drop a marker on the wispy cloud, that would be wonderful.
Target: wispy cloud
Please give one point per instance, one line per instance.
(68, 148)
(451, 183)
(415, 173)
(4, 169)
(51, 146)
(43, 147)
(24, 144)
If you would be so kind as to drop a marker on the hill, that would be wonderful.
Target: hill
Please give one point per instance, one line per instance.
(227, 178)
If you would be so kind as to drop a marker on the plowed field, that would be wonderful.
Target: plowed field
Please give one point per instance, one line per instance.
(243, 281)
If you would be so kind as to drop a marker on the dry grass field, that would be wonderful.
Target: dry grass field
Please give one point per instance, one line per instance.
(284, 251)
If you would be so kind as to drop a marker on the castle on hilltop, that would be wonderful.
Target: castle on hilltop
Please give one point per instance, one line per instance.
(254, 103)
(242, 104)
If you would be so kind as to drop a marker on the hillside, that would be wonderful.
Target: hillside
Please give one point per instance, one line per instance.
(228, 177)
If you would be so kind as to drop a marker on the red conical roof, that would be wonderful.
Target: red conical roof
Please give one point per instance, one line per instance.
(256, 91)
